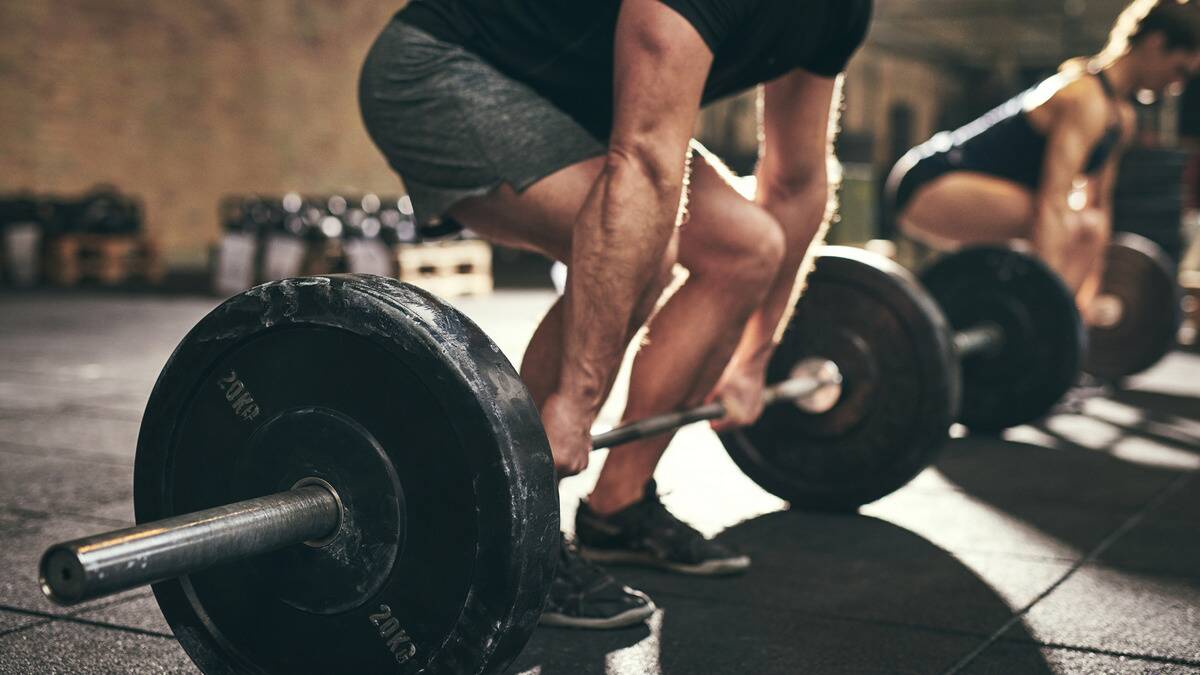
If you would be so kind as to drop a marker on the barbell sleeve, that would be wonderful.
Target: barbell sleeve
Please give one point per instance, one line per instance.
(788, 390)
(103, 564)
(985, 337)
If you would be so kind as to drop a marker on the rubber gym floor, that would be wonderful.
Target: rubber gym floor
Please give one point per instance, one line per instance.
(1072, 546)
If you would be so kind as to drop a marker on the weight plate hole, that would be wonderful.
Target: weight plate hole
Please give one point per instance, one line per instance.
(325, 541)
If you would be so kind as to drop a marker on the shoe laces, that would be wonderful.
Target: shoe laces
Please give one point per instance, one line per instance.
(581, 571)
(658, 517)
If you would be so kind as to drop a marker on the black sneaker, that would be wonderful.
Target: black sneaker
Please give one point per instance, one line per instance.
(646, 534)
(585, 596)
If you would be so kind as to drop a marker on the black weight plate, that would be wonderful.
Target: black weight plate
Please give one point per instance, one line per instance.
(1044, 337)
(1141, 277)
(899, 394)
(300, 445)
(1161, 214)
(408, 379)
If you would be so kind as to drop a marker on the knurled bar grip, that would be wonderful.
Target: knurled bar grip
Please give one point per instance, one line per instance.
(103, 564)
(788, 390)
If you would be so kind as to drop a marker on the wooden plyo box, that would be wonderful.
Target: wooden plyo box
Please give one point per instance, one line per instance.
(108, 259)
(1189, 335)
(447, 269)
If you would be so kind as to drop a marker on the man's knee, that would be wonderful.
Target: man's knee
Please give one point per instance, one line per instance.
(763, 247)
(772, 248)
(747, 252)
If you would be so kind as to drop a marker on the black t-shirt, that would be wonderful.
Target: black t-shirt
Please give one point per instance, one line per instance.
(564, 48)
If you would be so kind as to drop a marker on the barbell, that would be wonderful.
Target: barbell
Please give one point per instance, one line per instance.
(311, 511)
(344, 473)
(993, 340)
(1042, 337)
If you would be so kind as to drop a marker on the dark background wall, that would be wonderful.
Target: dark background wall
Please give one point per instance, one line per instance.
(181, 102)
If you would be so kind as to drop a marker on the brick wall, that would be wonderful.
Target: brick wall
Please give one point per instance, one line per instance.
(181, 102)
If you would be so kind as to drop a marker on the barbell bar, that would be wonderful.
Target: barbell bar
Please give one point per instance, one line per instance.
(986, 337)
(808, 381)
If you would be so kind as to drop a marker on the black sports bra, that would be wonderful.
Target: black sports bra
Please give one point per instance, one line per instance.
(1003, 143)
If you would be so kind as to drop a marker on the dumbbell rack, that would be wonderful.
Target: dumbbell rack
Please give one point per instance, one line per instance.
(97, 236)
(279, 237)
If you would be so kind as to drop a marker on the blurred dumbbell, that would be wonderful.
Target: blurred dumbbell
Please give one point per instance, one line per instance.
(21, 207)
(396, 222)
(261, 214)
(104, 210)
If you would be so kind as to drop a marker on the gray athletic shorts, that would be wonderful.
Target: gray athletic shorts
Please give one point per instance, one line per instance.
(454, 127)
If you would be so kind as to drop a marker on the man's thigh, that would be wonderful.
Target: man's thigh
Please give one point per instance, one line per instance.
(541, 218)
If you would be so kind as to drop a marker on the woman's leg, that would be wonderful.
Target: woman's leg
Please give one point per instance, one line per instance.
(964, 208)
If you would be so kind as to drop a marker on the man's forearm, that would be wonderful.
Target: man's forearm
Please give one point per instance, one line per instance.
(619, 241)
(805, 217)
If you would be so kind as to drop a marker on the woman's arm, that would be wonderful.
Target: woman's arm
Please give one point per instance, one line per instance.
(1079, 118)
(1100, 204)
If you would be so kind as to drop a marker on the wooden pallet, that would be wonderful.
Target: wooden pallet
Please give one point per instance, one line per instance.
(1189, 335)
(448, 268)
(108, 259)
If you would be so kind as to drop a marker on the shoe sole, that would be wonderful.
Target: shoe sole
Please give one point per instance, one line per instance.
(625, 619)
(712, 568)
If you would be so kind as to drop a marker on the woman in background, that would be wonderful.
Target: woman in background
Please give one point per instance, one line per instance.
(1041, 168)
